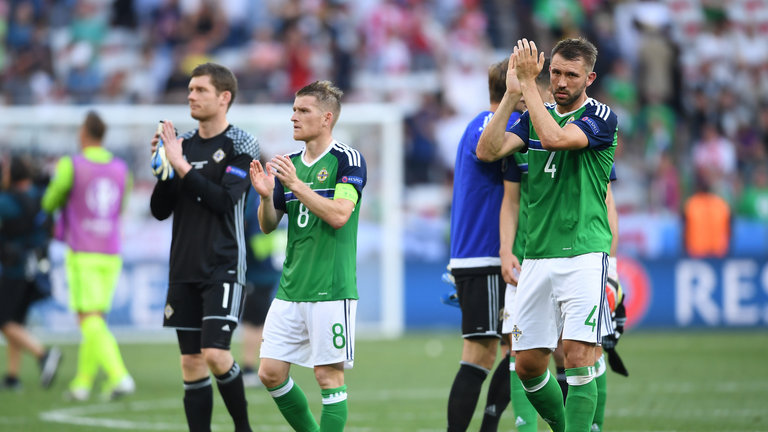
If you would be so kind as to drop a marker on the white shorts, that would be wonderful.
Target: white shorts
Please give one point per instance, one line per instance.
(310, 334)
(509, 302)
(557, 295)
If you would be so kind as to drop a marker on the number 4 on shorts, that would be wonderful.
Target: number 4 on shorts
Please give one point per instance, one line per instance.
(591, 320)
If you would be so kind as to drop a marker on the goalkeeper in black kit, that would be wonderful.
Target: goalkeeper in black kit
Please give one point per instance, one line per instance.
(203, 182)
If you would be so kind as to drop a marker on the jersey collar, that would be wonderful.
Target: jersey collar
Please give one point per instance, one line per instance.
(310, 163)
(569, 113)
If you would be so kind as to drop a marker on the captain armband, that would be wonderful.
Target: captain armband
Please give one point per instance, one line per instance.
(346, 191)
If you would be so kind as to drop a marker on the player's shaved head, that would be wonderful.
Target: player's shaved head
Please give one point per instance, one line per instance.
(497, 80)
(328, 97)
(578, 48)
(221, 77)
(94, 126)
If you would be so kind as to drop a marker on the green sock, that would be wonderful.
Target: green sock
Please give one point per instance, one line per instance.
(109, 357)
(334, 414)
(526, 417)
(582, 398)
(87, 354)
(545, 395)
(293, 405)
(602, 392)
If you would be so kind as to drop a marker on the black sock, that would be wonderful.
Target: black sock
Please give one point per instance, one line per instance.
(233, 392)
(498, 397)
(464, 394)
(563, 383)
(198, 404)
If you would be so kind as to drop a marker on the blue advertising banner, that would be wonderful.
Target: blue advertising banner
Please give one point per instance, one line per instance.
(730, 292)
(661, 293)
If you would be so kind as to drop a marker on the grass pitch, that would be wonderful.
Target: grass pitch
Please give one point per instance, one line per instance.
(679, 381)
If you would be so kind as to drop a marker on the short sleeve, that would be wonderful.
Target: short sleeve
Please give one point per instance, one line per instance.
(599, 124)
(278, 197)
(521, 127)
(352, 167)
(512, 172)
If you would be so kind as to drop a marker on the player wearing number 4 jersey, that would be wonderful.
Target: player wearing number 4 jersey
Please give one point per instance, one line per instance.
(570, 148)
(311, 322)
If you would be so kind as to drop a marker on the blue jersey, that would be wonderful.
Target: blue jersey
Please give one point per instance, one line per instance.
(477, 192)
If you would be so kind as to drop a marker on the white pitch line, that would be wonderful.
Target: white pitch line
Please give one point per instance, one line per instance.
(83, 415)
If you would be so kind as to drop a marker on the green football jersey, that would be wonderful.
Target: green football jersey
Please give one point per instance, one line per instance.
(516, 170)
(567, 215)
(320, 261)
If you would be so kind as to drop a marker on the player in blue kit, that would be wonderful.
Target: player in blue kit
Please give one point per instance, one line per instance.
(476, 266)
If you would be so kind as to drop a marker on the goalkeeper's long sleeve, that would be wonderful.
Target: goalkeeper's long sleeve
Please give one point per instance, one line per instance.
(163, 199)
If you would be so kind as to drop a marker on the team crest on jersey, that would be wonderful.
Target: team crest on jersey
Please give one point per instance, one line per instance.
(322, 175)
(168, 311)
(516, 332)
(218, 155)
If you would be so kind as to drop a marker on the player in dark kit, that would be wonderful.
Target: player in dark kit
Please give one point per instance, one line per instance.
(204, 183)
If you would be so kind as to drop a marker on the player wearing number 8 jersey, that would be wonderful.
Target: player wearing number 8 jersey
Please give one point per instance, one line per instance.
(311, 322)
(570, 148)
(306, 276)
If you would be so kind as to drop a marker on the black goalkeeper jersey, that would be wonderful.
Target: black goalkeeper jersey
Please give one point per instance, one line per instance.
(208, 205)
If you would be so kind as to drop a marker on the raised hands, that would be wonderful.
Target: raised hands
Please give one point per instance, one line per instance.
(513, 84)
(284, 170)
(262, 180)
(528, 62)
(171, 143)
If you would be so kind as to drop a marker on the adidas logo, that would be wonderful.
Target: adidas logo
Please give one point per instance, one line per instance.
(520, 422)
(226, 327)
(491, 410)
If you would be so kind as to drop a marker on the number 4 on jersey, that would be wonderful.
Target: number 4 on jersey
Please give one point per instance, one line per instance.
(549, 167)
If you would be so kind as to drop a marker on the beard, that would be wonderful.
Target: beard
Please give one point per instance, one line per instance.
(568, 101)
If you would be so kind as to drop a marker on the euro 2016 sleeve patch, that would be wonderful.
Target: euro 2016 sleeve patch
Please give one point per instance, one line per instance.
(353, 180)
(592, 125)
(236, 171)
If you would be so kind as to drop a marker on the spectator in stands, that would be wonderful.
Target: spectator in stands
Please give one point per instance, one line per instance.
(707, 223)
(714, 160)
(754, 199)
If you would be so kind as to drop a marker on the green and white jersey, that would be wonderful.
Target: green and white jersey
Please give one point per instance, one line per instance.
(320, 261)
(516, 170)
(567, 215)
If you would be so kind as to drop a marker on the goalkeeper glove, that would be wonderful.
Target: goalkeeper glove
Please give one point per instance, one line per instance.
(619, 318)
(161, 167)
(451, 298)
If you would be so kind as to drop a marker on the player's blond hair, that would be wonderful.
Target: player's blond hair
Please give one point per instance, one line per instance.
(328, 97)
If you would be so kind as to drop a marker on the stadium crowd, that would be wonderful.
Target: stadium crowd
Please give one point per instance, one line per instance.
(689, 77)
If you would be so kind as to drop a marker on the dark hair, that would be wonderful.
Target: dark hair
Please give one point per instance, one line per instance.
(497, 80)
(328, 96)
(94, 126)
(574, 49)
(20, 169)
(221, 77)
